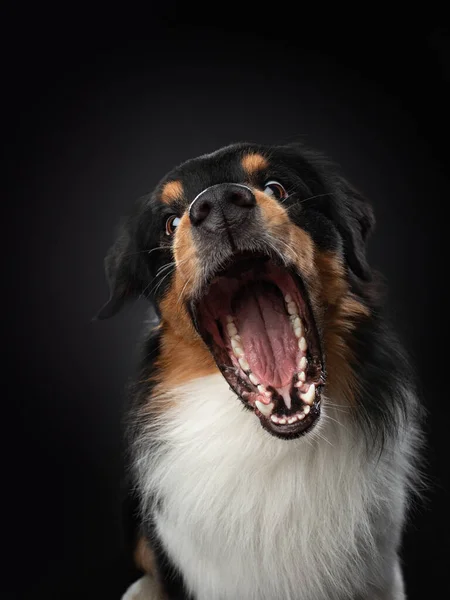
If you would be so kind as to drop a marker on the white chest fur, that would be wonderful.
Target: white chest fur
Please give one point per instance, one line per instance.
(249, 516)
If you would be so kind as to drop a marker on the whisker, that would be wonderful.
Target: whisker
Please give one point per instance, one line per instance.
(316, 196)
(275, 249)
(182, 291)
(147, 251)
(329, 418)
(157, 248)
(272, 242)
(155, 289)
(142, 294)
(171, 264)
(160, 271)
(164, 268)
(288, 197)
(302, 201)
(321, 437)
(338, 407)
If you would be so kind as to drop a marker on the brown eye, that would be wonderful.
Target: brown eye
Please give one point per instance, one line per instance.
(275, 189)
(171, 224)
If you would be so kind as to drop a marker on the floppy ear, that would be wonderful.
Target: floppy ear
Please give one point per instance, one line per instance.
(355, 220)
(125, 271)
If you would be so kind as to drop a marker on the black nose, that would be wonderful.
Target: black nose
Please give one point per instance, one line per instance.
(221, 206)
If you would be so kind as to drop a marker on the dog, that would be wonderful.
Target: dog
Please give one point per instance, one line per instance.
(274, 427)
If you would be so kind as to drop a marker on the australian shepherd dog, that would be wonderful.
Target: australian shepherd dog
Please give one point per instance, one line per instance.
(274, 426)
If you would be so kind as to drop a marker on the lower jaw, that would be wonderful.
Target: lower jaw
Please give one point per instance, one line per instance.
(276, 419)
(291, 431)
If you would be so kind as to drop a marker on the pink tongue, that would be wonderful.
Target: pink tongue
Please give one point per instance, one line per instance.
(268, 340)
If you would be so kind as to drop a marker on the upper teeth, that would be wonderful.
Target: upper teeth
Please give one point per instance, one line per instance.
(235, 343)
(231, 328)
(296, 322)
(236, 340)
(253, 379)
(291, 308)
(244, 364)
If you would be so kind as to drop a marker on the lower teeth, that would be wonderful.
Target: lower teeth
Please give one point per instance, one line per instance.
(283, 419)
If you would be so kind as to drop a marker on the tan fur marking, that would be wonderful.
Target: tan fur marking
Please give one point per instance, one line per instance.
(183, 359)
(183, 354)
(342, 311)
(173, 190)
(292, 242)
(252, 163)
(144, 557)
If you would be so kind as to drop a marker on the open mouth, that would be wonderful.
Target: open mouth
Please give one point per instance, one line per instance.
(256, 320)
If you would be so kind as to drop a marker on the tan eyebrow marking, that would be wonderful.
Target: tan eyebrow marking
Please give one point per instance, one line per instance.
(173, 190)
(252, 163)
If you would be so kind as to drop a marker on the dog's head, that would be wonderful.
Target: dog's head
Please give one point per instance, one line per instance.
(255, 260)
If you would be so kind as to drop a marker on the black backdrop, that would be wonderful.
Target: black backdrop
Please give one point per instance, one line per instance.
(92, 122)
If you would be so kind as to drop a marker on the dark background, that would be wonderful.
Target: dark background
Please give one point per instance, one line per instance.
(93, 121)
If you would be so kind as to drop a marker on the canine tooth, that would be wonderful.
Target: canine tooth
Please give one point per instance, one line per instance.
(288, 298)
(303, 363)
(306, 409)
(231, 328)
(302, 376)
(261, 389)
(253, 379)
(292, 419)
(274, 418)
(309, 396)
(244, 364)
(292, 309)
(302, 344)
(265, 409)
